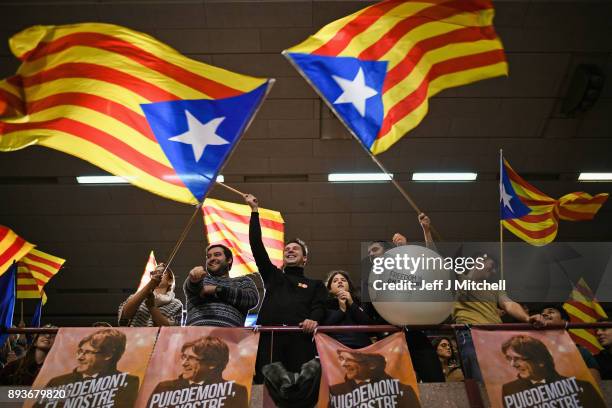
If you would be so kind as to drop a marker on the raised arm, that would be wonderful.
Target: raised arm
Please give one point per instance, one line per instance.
(262, 259)
(128, 309)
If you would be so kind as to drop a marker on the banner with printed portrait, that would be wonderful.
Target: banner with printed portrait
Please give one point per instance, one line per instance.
(95, 367)
(542, 369)
(200, 367)
(380, 375)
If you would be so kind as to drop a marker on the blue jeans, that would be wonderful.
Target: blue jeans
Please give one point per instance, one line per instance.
(469, 362)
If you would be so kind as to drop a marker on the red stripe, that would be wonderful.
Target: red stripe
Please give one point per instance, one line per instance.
(535, 218)
(40, 282)
(11, 100)
(98, 104)
(416, 98)
(576, 215)
(589, 311)
(23, 288)
(530, 203)
(12, 250)
(3, 232)
(413, 57)
(585, 343)
(42, 260)
(103, 140)
(534, 234)
(34, 268)
(388, 41)
(92, 71)
(513, 175)
(113, 44)
(244, 219)
(244, 238)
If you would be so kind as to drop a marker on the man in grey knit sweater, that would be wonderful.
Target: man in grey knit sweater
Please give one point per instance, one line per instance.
(215, 299)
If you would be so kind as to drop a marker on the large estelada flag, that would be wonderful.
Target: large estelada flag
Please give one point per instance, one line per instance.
(95, 367)
(583, 307)
(34, 271)
(228, 224)
(534, 369)
(128, 104)
(377, 67)
(380, 375)
(200, 367)
(532, 215)
(12, 248)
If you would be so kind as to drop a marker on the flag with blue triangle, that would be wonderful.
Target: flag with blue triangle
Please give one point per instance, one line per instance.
(8, 282)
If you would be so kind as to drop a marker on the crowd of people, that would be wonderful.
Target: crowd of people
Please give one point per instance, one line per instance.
(213, 298)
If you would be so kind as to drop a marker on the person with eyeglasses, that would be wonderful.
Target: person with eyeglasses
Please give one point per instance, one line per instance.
(97, 356)
(446, 355)
(201, 373)
(538, 381)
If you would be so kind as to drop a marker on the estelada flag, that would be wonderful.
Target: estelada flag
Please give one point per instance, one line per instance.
(228, 224)
(35, 270)
(532, 215)
(534, 369)
(149, 267)
(377, 68)
(583, 307)
(200, 366)
(128, 104)
(95, 367)
(377, 375)
(12, 247)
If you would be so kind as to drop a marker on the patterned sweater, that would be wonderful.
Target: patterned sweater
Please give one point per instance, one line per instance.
(227, 308)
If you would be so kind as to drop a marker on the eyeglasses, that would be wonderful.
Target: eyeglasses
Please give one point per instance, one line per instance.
(516, 359)
(191, 359)
(80, 351)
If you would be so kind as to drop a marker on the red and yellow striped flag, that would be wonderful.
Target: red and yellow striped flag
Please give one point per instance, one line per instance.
(34, 271)
(149, 267)
(583, 307)
(12, 248)
(228, 224)
(82, 89)
(378, 67)
(539, 222)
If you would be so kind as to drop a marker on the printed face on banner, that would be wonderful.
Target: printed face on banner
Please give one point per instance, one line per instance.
(534, 369)
(380, 375)
(96, 367)
(200, 367)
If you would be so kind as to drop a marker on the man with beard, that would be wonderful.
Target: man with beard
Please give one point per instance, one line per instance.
(538, 381)
(291, 299)
(367, 370)
(215, 299)
(97, 358)
(202, 365)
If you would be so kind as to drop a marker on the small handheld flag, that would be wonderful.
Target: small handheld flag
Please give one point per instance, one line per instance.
(149, 267)
(377, 68)
(12, 248)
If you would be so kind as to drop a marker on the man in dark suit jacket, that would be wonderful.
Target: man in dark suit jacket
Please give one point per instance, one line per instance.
(202, 363)
(535, 368)
(368, 368)
(97, 358)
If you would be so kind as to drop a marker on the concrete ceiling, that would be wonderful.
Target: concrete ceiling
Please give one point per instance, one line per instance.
(106, 232)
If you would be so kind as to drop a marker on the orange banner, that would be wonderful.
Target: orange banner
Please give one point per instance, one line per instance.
(200, 367)
(93, 367)
(534, 369)
(380, 375)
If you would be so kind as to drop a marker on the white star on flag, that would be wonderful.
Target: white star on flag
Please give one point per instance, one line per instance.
(505, 197)
(355, 91)
(199, 135)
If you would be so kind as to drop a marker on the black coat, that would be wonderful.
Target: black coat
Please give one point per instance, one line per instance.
(354, 315)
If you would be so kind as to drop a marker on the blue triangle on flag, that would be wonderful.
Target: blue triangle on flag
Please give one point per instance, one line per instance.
(327, 74)
(510, 203)
(198, 135)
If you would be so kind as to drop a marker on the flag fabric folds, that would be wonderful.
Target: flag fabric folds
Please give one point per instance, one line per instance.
(12, 248)
(228, 224)
(7, 299)
(34, 271)
(532, 215)
(582, 306)
(377, 67)
(149, 267)
(128, 104)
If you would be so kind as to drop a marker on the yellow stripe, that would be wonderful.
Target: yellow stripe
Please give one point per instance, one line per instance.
(10, 88)
(523, 192)
(100, 157)
(535, 226)
(115, 93)
(30, 38)
(49, 257)
(114, 61)
(241, 227)
(533, 241)
(28, 294)
(407, 123)
(243, 209)
(105, 123)
(6, 242)
(584, 334)
(406, 86)
(241, 245)
(574, 311)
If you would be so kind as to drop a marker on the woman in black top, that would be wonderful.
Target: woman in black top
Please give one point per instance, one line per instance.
(344, 309)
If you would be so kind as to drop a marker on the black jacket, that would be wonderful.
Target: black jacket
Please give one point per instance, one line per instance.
(354, 315)
(290, 296)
